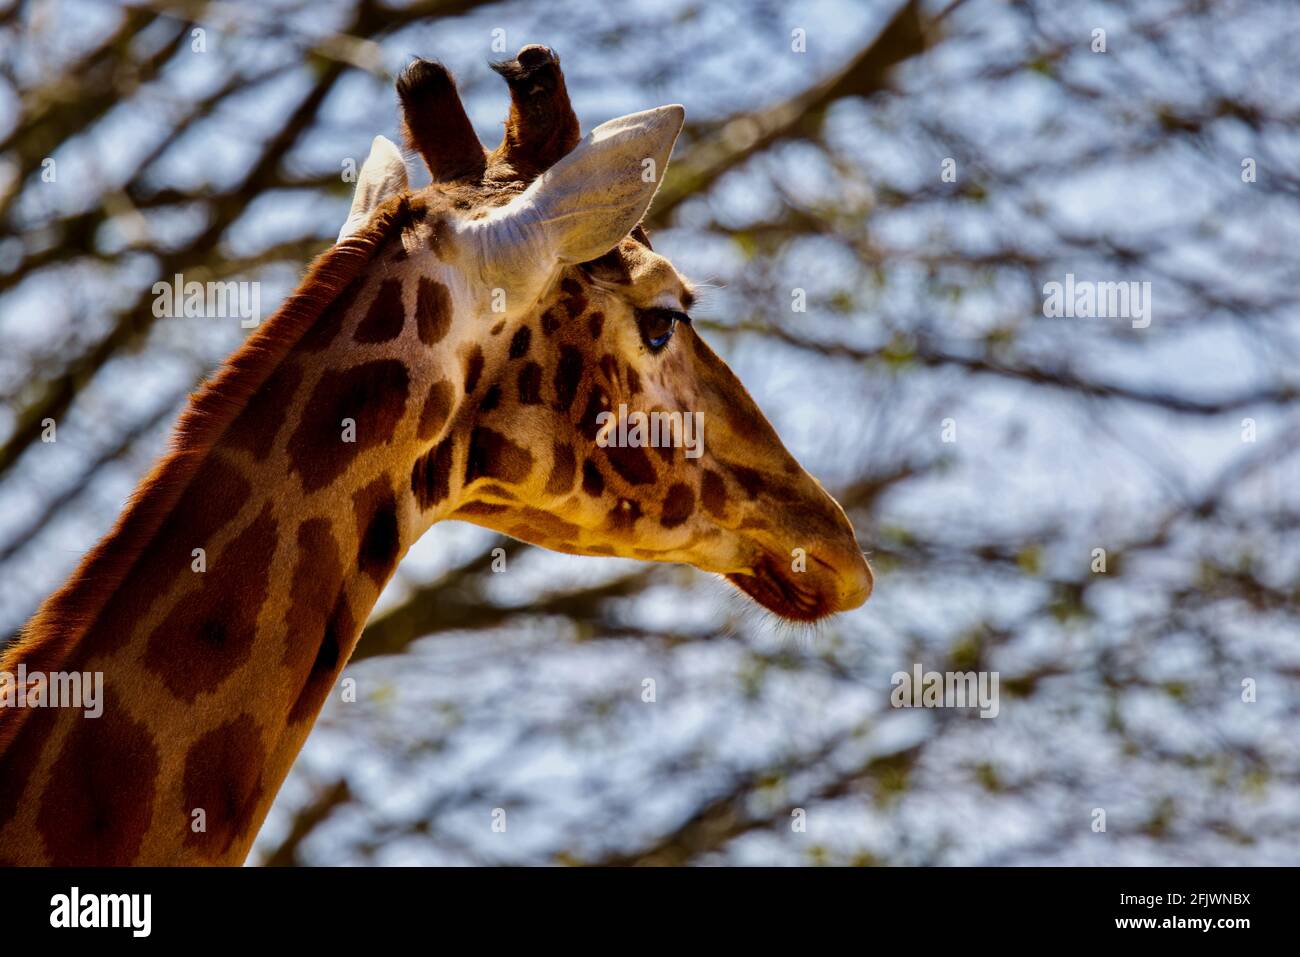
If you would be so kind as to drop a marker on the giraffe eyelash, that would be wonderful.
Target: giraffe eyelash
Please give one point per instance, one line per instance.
(657, 326)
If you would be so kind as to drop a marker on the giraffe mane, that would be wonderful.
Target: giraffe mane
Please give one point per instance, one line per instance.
(44, 643)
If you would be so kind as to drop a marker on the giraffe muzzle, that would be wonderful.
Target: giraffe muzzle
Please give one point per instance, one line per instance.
(807, 591)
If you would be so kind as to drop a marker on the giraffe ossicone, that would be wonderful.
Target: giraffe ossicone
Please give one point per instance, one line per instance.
(457, 354)
(381, 177)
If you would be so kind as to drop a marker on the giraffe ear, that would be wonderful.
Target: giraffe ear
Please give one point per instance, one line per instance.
(382, 175)
(582, 206)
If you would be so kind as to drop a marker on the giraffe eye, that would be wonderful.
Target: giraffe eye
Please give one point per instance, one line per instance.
(658, 325)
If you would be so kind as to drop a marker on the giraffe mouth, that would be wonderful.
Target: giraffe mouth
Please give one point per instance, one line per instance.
(766, 584)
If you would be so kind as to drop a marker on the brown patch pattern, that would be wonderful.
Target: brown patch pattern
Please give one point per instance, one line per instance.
(375, 508)
(632, 464)
(384, 319)
(432, 311)
(210, 631)
(568, 374)
(317, 579)
(373, 394)
(473, 369)
(211, 501)
(100, 799)
(19, 760)
(263, 417)
(713, 493)
(550, 526)
(678, 505)
(563, 468)
(750, 480)
(530, 384)
(593, 483)
(575, 300)
(340, 630)
(520, 341)
(492, 455)
(431, 474)
(437, 407)
(623, 516)
(223, 777)
(327, 326)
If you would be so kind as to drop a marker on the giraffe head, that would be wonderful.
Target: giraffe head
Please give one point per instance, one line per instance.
(570, 401)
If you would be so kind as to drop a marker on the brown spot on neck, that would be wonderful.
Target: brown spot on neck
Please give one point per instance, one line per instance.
(713, 492)
(574, 300)
(375, 507)
(214, 497)
(431, 474)
(372, 394)
(437, 409)
(530, 384)
(473, 369)
(223, 779)
(519, 342)
(384, 319)
(335, 642)
(678, 505)
(568, 375)
(432, 311)
(100, 799)
(209, 633)
(564, 467)
(261, 421)
(593, 483)
(317, 579)
(632, 464)
(327, 327)
(492, 455)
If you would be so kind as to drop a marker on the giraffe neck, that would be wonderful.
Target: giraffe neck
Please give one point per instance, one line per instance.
(221, 640)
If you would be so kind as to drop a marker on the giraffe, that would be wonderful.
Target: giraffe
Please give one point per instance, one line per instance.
(450, 357)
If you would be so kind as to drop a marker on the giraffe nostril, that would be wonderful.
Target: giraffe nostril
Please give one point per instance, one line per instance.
(853, 578)
(857, 584)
